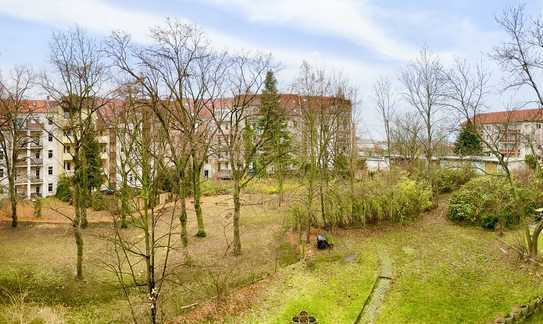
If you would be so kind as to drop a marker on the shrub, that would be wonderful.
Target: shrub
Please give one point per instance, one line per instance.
(450, 179)
(36, 206)
(485, 201)
(215, 187)
(531, 162)
(64, 192)
(394, 199)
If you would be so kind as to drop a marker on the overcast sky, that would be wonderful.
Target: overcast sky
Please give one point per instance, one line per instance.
(362, 39)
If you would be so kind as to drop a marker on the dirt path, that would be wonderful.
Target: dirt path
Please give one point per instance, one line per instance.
(382, 284)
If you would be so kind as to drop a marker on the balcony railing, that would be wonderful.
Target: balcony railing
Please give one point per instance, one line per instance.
(36, 161)
(36, 144)
(25, 179)
(224, 174)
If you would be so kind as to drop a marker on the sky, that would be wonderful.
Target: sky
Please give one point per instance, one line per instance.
(362, 39)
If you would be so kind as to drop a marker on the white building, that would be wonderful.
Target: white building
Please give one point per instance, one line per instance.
(514, 133)
(47, 151)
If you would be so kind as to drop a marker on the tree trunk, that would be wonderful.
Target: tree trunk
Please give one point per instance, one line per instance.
(280, 185)
(78, 235)
(534, 240)
(237, 208)
(197, 192)
(13, 200)
(183, 216)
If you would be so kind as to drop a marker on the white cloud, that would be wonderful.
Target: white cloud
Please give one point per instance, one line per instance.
(350, 19)
(96, 15)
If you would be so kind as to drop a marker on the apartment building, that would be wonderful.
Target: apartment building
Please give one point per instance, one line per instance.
(47, 150)
(298, 109)
(514, 132)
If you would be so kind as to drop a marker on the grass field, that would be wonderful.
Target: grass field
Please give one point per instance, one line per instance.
(38, 260)
(442, 273)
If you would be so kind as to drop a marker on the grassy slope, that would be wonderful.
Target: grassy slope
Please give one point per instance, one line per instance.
(332, 288)
(443, 273)
(447, 273)
(36, 272)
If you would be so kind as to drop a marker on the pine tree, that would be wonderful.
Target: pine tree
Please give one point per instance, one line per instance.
(468, 141)
(278, 143)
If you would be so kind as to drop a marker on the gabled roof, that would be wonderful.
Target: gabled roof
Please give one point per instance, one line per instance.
(513, 116)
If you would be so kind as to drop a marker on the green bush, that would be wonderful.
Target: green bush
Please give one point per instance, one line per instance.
(101, 201)
(36, 206)
(397, 200)
(216, 187)
(531, 162)
(449, 179)
(484, 201)
(64, 192)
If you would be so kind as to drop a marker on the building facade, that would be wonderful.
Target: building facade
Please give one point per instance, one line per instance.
(48, 153)
(514, 134)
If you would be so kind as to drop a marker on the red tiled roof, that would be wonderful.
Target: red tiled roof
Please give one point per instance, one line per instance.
(288, 102)
(514, 116)
(36, 106)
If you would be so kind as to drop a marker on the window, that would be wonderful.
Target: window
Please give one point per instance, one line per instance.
(67, 166)
(538, 126)
(50, 170)
(1, 173)
(50, 187)
(50, 153)
(37, 155)
(66, 149)
(49, 120)
(38, 173)
(50, 137)
(38, 190)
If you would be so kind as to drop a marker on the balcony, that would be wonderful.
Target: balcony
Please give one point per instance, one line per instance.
(36, 161)
(36, 144)
(22, 163)
(224, 174)
(23, 180)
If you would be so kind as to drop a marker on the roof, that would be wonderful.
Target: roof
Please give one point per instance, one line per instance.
(513, 116)
(289, 102)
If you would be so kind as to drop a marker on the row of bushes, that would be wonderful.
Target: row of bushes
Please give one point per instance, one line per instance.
(447, 180)
(485, 201)
(387, 198)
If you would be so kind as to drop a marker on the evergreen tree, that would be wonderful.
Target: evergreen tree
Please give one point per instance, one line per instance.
(468, 141)
(278, 144)
(93, 177)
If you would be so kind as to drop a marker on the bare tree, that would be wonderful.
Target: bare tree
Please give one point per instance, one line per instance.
(522, 54)
(182, 74)
(15, 115)
(77, 87)
(466, 88)
(386, 102)
(406, 133)
(424, 85)
(149, 251)
(236, 122)
(325, 133)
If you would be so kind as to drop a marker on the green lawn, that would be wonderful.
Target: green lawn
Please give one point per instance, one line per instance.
(443, 273)
(332, 287)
